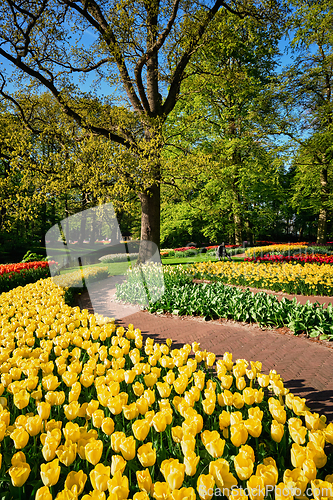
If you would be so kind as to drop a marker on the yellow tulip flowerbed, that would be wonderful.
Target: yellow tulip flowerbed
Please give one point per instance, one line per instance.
(76, 278)
(275, 249)
(89, 410)
(306, 279)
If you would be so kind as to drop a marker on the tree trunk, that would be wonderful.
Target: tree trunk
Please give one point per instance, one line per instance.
(323, 212)
(238, 228)
(322, 225)
(150, 222)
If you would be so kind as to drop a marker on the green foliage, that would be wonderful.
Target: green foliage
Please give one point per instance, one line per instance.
(216, 300)
(32, 256)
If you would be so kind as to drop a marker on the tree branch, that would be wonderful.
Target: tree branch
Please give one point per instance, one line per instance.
(127, 141)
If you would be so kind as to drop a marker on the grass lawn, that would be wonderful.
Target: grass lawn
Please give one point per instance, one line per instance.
(119, 268)
(114, 269)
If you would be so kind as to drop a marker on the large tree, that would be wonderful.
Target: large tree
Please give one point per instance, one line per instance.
(140, 49)
(306, 96)
(219, 120)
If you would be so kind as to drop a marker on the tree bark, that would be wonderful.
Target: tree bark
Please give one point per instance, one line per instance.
(323, 212)
(150, 222)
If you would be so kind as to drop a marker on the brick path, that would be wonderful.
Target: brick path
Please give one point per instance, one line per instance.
(305, 366)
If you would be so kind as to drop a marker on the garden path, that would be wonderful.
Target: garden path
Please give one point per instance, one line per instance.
(305, 365)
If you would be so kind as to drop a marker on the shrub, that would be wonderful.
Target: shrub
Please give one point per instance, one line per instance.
(118, 257)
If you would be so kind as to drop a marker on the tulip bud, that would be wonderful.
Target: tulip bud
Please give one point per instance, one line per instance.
(50, 472)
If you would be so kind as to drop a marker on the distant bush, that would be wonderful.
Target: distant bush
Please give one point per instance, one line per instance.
(118, 257)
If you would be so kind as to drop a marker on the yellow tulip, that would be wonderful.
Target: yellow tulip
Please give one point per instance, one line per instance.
(159, 422)
(243, 466)
(141, 429)
(268, 473)
(191, 461)
(297, 454)
(49, 449)
(118, 486)
(309, 469)
(43, 493)
(77, 480)
(128, 448)
(177, 434)
(19, 473)
(67, 453)
(142, 405)
(93, 451)
(21, 399)
(238, 494)
(183, 494)
(238, 434)
(138, 389)
(20, 438)
(71, 410)
(240, 383)
(97, 418)
(50, 472)
(147, 455)
(328, 433)
(34, 425)
(317, 454)
(283, 492)
(277, 431)
(144, 480)
(253, 427)
(130, 411)
(107, 426)
(116, 439)
(43, 410)
(321, 489)
(295, 479)
(99, 477)
(199, 379)
(118, 463)
(317, 437)
(173, 473)
(205, 486)
(71, 432)
(50, 382)
(161, 491)
(224, 480)
(296, 430)
(256, 487)
(312, 420)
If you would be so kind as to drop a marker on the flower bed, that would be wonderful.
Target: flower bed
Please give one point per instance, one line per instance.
(215, 300)
(302, 258)
(89, 410)
(283, 249)
(288, 277)
(14, 275)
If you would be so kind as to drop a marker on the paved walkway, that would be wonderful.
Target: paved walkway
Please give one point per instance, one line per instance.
(306, 366)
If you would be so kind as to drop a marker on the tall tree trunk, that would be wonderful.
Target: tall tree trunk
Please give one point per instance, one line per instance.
(323, 212)
(150, 222)
(238, 227)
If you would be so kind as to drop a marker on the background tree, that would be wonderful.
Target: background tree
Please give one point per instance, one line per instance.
(143, 47)
(220, 114)
(306, 113)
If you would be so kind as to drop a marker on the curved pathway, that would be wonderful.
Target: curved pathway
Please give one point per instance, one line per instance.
(306, 366)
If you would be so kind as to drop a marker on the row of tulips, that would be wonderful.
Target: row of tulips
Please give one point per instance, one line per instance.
(279, 248)
(290, 277)
(14, 275)
(23, 266)
(90, 410)
(319, 258)
(177, 293)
